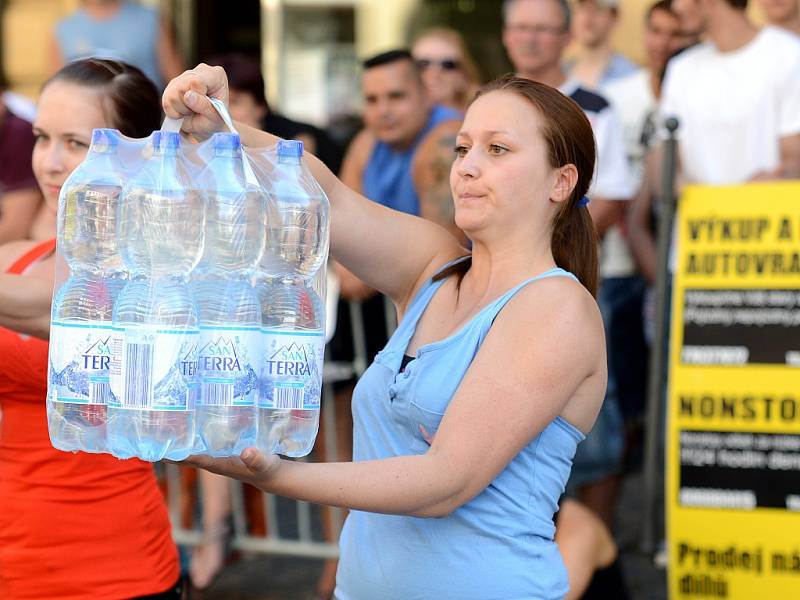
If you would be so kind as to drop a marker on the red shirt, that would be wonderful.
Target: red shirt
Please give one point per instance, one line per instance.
(72, 526)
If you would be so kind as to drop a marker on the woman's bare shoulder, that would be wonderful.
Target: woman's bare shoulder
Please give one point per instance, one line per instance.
(569, 312)
(563, 294)
(558, 318)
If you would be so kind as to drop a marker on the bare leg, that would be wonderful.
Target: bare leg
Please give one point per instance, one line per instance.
(209, 557)
(585, 545)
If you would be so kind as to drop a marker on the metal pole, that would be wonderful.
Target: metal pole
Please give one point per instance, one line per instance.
(653, 467)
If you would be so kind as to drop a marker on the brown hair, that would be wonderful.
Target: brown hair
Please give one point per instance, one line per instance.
(660, 5)
(569, 139)
(130, 98)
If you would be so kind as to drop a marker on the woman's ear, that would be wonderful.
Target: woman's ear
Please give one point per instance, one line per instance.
(564, 183)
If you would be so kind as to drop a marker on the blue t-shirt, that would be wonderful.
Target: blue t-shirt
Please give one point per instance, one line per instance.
(130, 35)
(498, 545)
(387, 176)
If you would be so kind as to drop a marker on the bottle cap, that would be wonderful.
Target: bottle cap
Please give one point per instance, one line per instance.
(106, 138)
(290, 149)
(166, 140)
(226, 142)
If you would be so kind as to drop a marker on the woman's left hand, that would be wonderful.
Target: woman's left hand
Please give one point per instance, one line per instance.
(252, 466)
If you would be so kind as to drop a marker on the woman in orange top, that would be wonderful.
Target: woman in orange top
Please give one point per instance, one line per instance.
(72, 526)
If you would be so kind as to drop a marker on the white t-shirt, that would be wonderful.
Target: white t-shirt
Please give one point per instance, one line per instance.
(633, 99)
(612, 178)
(734, 107)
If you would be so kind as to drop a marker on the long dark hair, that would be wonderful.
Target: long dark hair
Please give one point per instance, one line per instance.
(131, 100)
(569, 139)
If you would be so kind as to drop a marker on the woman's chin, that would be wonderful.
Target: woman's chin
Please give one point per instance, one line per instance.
(469, 226)
(468, 222)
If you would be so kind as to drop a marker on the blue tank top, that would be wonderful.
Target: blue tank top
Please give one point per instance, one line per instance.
(387, 176)
(131, 36)
(498, 545)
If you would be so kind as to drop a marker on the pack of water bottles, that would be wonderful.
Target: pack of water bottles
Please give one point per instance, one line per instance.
(188, 313)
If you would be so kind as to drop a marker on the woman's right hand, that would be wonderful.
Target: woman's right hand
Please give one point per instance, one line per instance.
(185, 98)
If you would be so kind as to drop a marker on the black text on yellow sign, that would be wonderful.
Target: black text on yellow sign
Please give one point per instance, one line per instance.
(733, 456)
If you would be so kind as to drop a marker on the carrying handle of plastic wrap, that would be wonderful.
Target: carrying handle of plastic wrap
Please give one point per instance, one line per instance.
(171, 124)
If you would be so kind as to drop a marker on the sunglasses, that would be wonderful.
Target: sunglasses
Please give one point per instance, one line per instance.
(448, 64)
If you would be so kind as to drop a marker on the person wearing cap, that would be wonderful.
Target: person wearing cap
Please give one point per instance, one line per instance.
(535, 34)
(596, 63)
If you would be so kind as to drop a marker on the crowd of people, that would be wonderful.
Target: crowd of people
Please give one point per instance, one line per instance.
(509, 225)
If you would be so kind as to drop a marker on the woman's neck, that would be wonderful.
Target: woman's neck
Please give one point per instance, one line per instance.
(102, 10)
(44, 225)
(498, 267)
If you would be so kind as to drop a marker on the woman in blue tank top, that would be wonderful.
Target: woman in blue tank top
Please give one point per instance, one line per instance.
(466, 423)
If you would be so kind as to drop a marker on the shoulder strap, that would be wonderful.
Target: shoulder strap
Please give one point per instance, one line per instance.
(416, 307)
(503, 300)
(447, 265)
(554, 272)
(31, 256)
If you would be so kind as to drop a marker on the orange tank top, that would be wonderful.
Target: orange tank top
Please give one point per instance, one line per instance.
(72, 526)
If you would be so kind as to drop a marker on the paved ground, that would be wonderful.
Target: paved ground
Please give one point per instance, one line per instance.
(273, 578)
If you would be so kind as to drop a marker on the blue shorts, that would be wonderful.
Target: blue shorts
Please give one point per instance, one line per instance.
(600, 454)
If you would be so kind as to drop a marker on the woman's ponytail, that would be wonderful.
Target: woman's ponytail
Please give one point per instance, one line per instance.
(574, 244)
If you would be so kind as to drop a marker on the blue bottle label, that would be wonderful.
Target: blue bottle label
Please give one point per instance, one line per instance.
(228, 365)
(291, 370)
(154, 369)
(80, 359)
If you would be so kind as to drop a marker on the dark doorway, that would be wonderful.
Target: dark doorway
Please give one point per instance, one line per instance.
(223, 26)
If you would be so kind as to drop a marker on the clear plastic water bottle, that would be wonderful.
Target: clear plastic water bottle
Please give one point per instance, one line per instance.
(230, 313)
(297, 219)
(80, 334)
(293, 347)
(156, 322)
(293, 316)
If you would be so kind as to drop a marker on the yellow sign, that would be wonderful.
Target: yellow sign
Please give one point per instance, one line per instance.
(733, 435)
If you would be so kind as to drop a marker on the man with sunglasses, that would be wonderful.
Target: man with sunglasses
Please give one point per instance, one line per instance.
(447, 64)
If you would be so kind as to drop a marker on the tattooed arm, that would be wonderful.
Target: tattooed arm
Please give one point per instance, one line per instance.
(431, 173)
